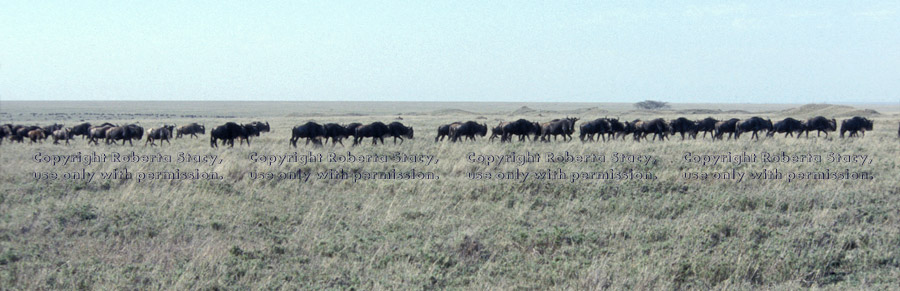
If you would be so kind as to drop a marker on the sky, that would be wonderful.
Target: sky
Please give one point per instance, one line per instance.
(555, 51)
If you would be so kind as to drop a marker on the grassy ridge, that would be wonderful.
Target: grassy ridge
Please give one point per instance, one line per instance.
(452, 232)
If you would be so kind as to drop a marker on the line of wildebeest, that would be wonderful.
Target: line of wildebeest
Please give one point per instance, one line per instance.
(595, 130)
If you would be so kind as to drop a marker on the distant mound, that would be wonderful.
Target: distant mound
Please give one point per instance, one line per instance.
(443, 112)
(593, 111)
(524, 110)
(699, 111)
(810, 110)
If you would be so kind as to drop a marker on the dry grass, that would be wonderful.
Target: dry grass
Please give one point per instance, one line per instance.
(452, 232)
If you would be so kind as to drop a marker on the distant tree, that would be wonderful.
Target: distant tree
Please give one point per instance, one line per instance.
(651, 105)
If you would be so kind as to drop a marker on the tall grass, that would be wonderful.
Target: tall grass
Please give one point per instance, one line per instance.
(452, 232)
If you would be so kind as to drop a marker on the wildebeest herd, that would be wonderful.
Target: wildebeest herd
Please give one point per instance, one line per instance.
(594, 130)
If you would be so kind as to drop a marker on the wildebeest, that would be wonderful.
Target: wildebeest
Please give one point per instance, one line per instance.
(82, 129)
(5, 131)
(193, 129)
(658, 127)
(754, 124)
(248, 130)
(618, 128)
(820, 124)
(444, 131)
(49, 129)
(64, 134)
(398, 130)
(376, 130)
(20, 132)
(227, 133)
(706, 125)
(163, 133)
(599, 126)
(260, 127)
(788, 126)
(97, 133)
(683, 125)
(855, 125)
(124, 133)
(726, 126)
(564, 127)
(336, 132)
(311, 131)
(497, 131)
(520, 127)
(351, 128)
(468, 130)
(36, 135)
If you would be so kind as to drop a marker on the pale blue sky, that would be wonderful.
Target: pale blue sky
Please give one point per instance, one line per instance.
(585, 51)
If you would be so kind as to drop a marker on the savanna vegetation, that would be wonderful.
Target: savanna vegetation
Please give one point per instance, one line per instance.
(452, 232)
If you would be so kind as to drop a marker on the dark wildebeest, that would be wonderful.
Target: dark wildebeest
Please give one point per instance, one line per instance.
(820, 124)
(398, 130)
(569, 129)
(227, 133)
(497, 131)
(21, 132)
(64, 134)
(855, 125)
(351, 128)
(193, 129)
(163, 133)
(97, 133)
(564, 127)
(520, 127)
(311, 131)
(444, 131)
(617, 128)
(683, 125)
(754, 124)
(468, 129)
(5, 131)
(124, 133)
(36, 135)
(376, 130)
(260, 127)
(83, 129)
(336, 132)
(49, 129)
(658, 127)
(249, 130)
(788, 126)
(726, 126)
(599, 126)
(707, 125)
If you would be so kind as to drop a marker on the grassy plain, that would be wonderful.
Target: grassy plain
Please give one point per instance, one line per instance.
(452, 232)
